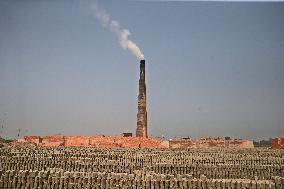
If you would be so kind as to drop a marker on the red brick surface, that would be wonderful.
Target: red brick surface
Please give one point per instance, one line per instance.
(52, 141)
(77, 141)
(277, 143)
(32, 139)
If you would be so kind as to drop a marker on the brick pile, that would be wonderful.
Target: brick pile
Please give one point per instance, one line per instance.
(277, 143)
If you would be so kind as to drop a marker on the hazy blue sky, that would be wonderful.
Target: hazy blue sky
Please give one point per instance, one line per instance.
(212, 68)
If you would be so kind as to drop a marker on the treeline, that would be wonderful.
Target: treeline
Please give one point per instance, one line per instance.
(262, 143)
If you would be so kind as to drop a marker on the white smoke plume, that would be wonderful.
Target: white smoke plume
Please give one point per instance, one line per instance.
(121, 32)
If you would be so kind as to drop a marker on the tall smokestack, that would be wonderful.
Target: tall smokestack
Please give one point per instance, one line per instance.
(141, 130)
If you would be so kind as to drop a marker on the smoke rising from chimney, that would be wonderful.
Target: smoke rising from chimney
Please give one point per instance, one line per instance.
(116, 27)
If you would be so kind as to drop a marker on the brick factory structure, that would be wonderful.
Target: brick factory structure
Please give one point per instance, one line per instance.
(141, 130)
(93, 141)
(141, 140)
(132, 142)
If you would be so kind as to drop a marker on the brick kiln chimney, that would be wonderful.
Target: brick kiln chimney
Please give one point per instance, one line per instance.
(141, 130)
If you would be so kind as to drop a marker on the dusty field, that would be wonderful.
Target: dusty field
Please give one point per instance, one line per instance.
(67, 167)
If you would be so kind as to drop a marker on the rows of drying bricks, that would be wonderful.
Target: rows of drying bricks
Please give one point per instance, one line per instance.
(34, 167)
(249, 164)
(89, 180)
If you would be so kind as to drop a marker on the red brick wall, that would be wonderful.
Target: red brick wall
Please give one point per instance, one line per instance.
(77, 141)
(136, 142)
(277, 143)
(97, 141)
(52, 141)
(32, 139)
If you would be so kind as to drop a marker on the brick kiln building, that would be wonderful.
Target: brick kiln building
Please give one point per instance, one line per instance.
(93, 141)
(141, 140)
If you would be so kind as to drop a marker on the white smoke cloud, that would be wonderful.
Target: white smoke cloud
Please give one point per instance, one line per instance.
(121, 33)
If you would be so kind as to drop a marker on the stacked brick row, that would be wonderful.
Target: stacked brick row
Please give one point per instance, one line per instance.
(58, 180)
(66, 167)
(222, 171)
